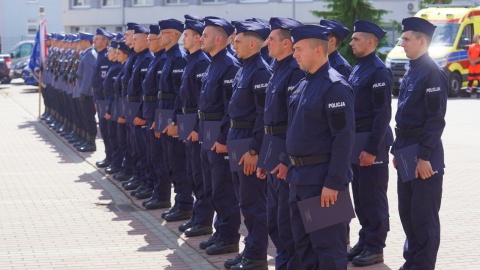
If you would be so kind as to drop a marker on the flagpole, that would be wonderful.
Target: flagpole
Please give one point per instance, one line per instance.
(40, 96)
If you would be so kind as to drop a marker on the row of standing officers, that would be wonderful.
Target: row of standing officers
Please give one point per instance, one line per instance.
(252, 78)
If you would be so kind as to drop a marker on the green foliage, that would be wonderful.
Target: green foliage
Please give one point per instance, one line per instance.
(346, 12)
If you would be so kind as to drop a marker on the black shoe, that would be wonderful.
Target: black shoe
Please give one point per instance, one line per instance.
(112, 170)
(171, 210)
(139, 189)
(79, 143)
(367, 258)
(147, 201)
(231, 262)
(156, 204)
(132, 185)
(206, 243)
(122, 177)
(144, 194)
(103, 164)
(356, 250)
(403, 268)
(198, 230)
(250, 264)
(178, 215)
(221, 247)
(132, 179)
(187, 225)
(88, 147)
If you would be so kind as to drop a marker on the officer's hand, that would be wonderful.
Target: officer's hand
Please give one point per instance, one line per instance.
(107, 116)
(249, 163)
(219, 148)
(329, 196)
(261, 173)
(139, 121)
(394, 161)
(172, 131)
(281, 171)
(158, 134)
(121, 120)
(424, 169)
(366, 159)
(193, 136)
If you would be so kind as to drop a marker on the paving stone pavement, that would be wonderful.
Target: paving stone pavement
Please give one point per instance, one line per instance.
(58, 211)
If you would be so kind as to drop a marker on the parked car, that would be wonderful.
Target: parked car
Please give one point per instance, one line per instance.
(27, 76)
(5, 64)
(20, 54)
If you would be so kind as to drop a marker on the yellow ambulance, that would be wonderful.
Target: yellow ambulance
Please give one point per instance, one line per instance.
(454, 33)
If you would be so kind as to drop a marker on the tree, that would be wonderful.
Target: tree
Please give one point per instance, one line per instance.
(346, 12)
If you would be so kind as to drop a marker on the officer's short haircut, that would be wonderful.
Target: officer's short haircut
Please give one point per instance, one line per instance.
(256, 37)
(315, 42)
(337, 39)
(419, 35)
(219, 31)
(284, 34)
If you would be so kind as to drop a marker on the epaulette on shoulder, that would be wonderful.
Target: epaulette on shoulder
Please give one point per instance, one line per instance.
(334, 75)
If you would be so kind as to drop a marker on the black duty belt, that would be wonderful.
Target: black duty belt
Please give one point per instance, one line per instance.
(241, 124)
(275, 130)
(117, 96)
(133, 98)
(186, 110)
(162, 95)
(150, 98)
(309, 160)
(405, 133)
(210, 116)
(363, 122)
(94, 89)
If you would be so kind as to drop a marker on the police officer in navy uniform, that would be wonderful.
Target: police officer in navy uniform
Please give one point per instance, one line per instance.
(338, 32)
(127, 175)
(420, 118)
(320, 138)
(85, 78)
(372, 84)
(161, 185)
(197, 64)
(100, 43)
(169, 86)
(286, 74)
(109, 92)
(246, 109)
(138, 134)
(212, 106)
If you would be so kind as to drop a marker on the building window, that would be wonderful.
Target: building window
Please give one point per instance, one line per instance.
(32, 26)
(214, 1)
(142, 2)
(177, 2)
(111, 3)
(253, 1)
(80, 3)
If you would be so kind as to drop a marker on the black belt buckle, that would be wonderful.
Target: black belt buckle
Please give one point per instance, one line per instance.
(200, 115)
(232, 123)
(268, 129)
(296, 162)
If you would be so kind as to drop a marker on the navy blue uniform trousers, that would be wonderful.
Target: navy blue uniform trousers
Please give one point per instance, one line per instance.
(174, 155)
(369, 188)
(279, 226)
(218, 187)
(251, 193)
(323, 249)
(202, 207)
(416, 198)
(162, 186)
